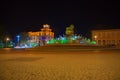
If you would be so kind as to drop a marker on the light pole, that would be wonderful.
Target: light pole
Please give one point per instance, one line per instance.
(95, 37)
(7, 39)
(18, 39)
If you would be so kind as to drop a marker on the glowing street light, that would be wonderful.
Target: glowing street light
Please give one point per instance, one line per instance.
(95, 37)
(7, 39)
(18, 39)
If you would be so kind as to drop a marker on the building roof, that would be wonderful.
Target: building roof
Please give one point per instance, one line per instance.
(106, 27)
(105, 30)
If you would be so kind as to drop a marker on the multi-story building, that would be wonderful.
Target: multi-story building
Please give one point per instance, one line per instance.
(42, 36)
(106, 37)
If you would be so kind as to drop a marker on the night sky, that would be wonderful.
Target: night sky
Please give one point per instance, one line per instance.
(21, 16)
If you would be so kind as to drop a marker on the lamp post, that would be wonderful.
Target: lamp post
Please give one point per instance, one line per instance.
(96, 38)
(7, 39)
(18, 39)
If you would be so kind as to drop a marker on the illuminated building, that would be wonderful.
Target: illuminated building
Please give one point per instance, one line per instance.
(108, 37)
(42, 36)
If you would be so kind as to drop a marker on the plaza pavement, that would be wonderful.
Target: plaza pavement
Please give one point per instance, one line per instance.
(60, 64)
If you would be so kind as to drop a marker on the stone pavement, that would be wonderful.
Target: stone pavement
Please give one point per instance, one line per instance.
(31, 65)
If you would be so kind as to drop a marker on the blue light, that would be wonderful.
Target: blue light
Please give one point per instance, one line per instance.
(18, 36)
(75, 37)
(63, 38)
(18, 39)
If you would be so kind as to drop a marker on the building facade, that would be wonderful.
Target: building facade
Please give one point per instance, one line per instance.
(42, 36)
(109, 37)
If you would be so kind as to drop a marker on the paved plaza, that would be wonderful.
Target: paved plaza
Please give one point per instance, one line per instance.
(59, 64)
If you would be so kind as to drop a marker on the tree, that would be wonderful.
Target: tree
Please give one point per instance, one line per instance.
(3, 35)
(23, 38)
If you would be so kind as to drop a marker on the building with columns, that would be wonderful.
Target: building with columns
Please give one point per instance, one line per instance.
(42, 36)
(109, 37)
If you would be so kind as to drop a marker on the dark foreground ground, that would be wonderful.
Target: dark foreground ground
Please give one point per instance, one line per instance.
(60, 64)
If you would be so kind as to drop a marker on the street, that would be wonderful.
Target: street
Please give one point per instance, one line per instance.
(59, 64)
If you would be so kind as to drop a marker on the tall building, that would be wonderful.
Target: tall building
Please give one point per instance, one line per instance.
(42, 36)
(106, 37)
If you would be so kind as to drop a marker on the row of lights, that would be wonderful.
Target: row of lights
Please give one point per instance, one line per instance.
(8, 39)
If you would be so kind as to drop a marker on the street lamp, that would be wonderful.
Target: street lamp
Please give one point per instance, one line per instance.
(18, 39)
(95, 37)
(7, 39)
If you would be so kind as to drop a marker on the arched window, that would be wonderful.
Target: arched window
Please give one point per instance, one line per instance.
(104, 42)
(99, 42)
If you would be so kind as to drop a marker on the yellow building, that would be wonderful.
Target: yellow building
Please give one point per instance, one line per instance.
(41, 36)
(106, 37)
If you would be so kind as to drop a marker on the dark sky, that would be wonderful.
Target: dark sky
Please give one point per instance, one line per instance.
(30, 15)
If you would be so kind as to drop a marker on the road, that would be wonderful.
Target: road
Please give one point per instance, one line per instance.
(59, 64)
